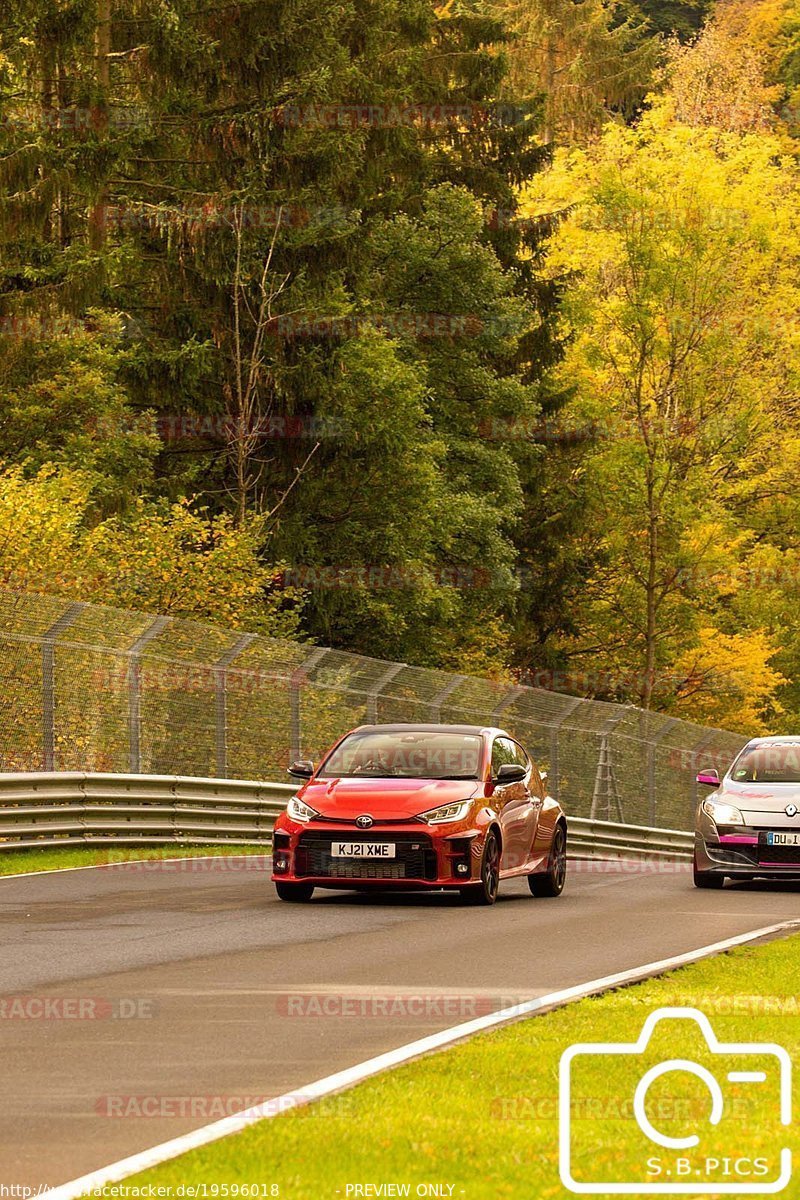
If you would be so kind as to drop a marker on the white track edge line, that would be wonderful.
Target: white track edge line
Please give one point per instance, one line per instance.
(207, 1134)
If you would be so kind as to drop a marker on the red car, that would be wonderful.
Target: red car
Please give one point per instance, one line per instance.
(421, 806)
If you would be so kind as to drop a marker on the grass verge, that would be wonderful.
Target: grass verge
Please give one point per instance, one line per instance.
(19, 862)
(481, 1120)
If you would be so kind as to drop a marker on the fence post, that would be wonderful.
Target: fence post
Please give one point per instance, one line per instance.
(693, 769)
(221, 700)
(297, 680)
(438, 700)
(605, 781)
(48, 682)
(374, 693)
(156, 626)
(511, 695)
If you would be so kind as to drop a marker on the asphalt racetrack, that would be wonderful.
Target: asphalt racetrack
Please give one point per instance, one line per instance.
(140, 1002)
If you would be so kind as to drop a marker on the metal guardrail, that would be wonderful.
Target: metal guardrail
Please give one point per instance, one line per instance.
(62, 808)
(608, 839)
(52, 808)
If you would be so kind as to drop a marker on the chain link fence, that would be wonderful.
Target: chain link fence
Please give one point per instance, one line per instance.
(90, 688)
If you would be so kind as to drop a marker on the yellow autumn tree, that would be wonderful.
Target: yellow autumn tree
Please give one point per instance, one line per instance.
(168, 558)
(733, 76)
(678, 246)
(729, 682)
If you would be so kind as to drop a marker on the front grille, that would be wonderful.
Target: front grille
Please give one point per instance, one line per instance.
(343, 868)
(414, 858)
(780, 855)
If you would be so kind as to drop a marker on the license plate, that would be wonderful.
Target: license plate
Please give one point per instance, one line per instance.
(783, 839)
(363, 850)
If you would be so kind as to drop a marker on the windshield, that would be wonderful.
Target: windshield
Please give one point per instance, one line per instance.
(775, 763)
(407, 755)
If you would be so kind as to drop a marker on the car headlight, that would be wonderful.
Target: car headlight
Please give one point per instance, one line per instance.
(722, 814)
(446, 813)
(299, 811)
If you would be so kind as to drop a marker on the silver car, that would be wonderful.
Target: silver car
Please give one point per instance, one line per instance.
(749, 826)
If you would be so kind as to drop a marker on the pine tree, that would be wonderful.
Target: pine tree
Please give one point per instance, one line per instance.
(240, 196)
(588, 57)
(681, 17)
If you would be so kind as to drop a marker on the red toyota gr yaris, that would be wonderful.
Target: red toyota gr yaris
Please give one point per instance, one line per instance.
(421, 806)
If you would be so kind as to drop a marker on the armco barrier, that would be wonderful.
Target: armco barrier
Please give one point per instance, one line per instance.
(65, 808)
(607, 839)
(53, 808)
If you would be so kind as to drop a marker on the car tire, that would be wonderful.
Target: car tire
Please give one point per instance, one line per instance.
(296, 893)
(485, 892)
(551, 882)
(706, 879)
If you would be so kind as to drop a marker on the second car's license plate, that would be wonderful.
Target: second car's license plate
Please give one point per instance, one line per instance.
(363, 850)
(783, 839)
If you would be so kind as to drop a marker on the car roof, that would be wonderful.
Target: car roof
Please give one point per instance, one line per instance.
(789, 739)
(421, 727)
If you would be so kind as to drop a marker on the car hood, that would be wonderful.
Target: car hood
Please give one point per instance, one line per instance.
(384, 798)
(755, 800)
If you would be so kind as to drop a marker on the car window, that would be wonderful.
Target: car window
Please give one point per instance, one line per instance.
(502, 752)
(776, 762)
(536, 783)
(407, 754)
(520, 756)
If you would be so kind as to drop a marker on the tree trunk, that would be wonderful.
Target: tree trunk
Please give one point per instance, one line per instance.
(651, 603)
(97, 216)
(47, 112)
(551, 63)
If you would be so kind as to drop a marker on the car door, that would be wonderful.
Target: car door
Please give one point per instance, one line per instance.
(529, 814)
(513, 803)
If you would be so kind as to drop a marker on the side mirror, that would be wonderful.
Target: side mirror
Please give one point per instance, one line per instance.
(709, 777)
(510, 773)
(302, 769)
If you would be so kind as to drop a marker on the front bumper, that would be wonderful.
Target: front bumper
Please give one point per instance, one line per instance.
(745, 854)
(423, 858)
